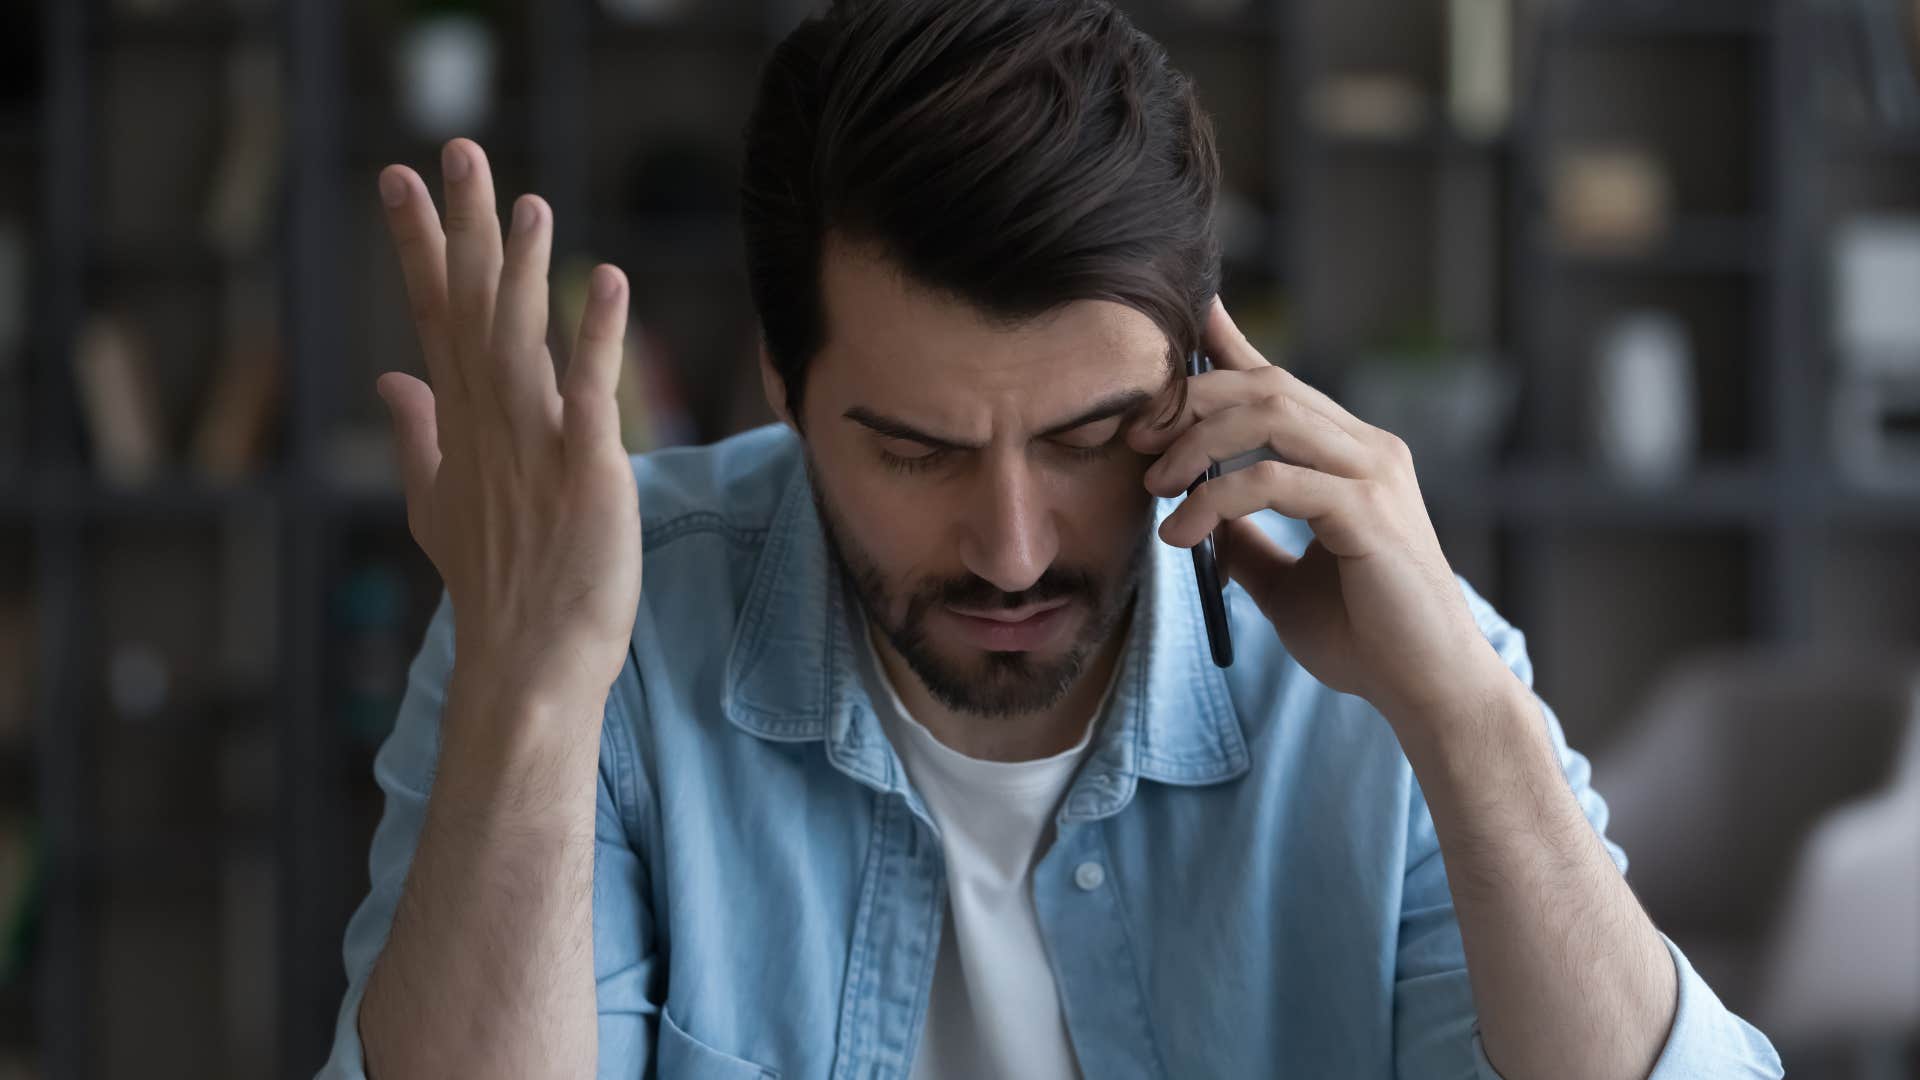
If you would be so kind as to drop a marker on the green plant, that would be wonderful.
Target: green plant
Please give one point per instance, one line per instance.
(1418, 342)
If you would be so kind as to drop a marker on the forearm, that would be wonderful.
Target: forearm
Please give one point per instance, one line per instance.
(1569, 977)
(488, 969)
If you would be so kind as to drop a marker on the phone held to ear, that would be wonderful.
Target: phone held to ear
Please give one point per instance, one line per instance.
(1206, 567)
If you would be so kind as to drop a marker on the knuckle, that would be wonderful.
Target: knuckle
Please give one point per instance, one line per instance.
(428, 312)
(1396, 449)
(458, 218)
(412, 241)
(1269, 473)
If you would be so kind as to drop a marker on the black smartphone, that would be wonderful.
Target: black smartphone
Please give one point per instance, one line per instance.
(1206, 566)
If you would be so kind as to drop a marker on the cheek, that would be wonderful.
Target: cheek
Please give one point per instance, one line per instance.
(903, 538)
(1106, 510)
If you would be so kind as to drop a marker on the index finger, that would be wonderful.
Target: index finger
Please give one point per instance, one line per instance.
(1229, 348)
(1226, 345)
(423, 262)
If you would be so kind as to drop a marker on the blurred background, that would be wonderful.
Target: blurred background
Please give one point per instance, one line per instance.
(1638, 280)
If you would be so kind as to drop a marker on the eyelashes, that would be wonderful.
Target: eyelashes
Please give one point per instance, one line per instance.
(911, 465)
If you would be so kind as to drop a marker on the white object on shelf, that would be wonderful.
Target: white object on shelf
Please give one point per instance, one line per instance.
(445, 67)
(1480, 66)
(1876, 283)
(1644, 425)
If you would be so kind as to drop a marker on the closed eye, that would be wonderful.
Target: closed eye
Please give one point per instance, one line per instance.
(1095, 436)
(905, 456)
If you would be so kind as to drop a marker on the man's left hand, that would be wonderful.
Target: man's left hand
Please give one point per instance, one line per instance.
(1370, 607)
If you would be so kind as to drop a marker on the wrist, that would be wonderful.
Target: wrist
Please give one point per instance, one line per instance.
(513, 743)
(1486, 707)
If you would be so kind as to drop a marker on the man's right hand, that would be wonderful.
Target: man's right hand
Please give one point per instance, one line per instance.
(520, 491)
(523, 497)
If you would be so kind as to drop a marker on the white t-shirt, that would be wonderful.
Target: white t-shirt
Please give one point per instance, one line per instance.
(994, 1010)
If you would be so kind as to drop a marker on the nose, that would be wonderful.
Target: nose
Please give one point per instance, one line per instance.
(1009, 537)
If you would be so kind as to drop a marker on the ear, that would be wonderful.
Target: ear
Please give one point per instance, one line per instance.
(775, 388)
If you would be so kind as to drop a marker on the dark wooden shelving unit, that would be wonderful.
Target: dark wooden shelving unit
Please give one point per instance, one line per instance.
(1763, 511)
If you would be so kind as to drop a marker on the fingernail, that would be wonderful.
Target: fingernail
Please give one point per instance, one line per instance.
(605, 283)
(453, 163)
(393, 190)
(523, 215)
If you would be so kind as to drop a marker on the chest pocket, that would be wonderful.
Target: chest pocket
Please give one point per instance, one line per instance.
(680, 1056)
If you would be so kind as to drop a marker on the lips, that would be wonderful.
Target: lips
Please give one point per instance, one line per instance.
(1010, 615)
(1011, 629)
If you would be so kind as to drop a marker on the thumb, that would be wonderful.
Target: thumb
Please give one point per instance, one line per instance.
(416, 436)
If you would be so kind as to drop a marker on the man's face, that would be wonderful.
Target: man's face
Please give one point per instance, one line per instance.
(974, 480)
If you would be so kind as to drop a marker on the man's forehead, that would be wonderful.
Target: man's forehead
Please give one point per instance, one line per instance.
(897, 338)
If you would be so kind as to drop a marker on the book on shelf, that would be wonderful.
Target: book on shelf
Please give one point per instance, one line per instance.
(117, 394)
(246, 179)
(243, 395)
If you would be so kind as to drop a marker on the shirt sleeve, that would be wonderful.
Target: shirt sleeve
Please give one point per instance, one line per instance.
(1436, 1029)
(624, 968)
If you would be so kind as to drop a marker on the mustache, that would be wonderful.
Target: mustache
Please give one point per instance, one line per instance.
(981, 595)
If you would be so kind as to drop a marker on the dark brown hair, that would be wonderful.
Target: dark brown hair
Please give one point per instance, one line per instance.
(1016, 154)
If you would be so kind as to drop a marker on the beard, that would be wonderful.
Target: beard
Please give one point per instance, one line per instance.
(986, 683)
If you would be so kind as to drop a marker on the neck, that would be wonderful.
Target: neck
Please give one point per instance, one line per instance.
(1024, 737)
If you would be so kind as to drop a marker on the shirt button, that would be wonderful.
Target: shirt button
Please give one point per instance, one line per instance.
(1089, 875)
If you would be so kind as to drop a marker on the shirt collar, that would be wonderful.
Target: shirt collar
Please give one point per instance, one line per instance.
(792, 673)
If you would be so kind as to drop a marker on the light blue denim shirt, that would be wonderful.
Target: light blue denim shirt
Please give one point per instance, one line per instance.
(1245, 879)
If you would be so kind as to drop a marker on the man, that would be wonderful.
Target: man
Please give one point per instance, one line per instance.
(907, 757)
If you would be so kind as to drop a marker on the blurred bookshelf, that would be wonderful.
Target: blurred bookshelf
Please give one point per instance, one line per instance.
(216, 651)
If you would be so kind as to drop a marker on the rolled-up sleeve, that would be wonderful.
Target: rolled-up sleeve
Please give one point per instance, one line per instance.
(1706, 1040)
(1433, 1000)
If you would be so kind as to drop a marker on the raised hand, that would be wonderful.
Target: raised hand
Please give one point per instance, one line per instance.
(519, 490)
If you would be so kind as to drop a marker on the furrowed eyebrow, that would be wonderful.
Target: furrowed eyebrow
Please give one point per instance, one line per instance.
(1123, 402)
(900, 429)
